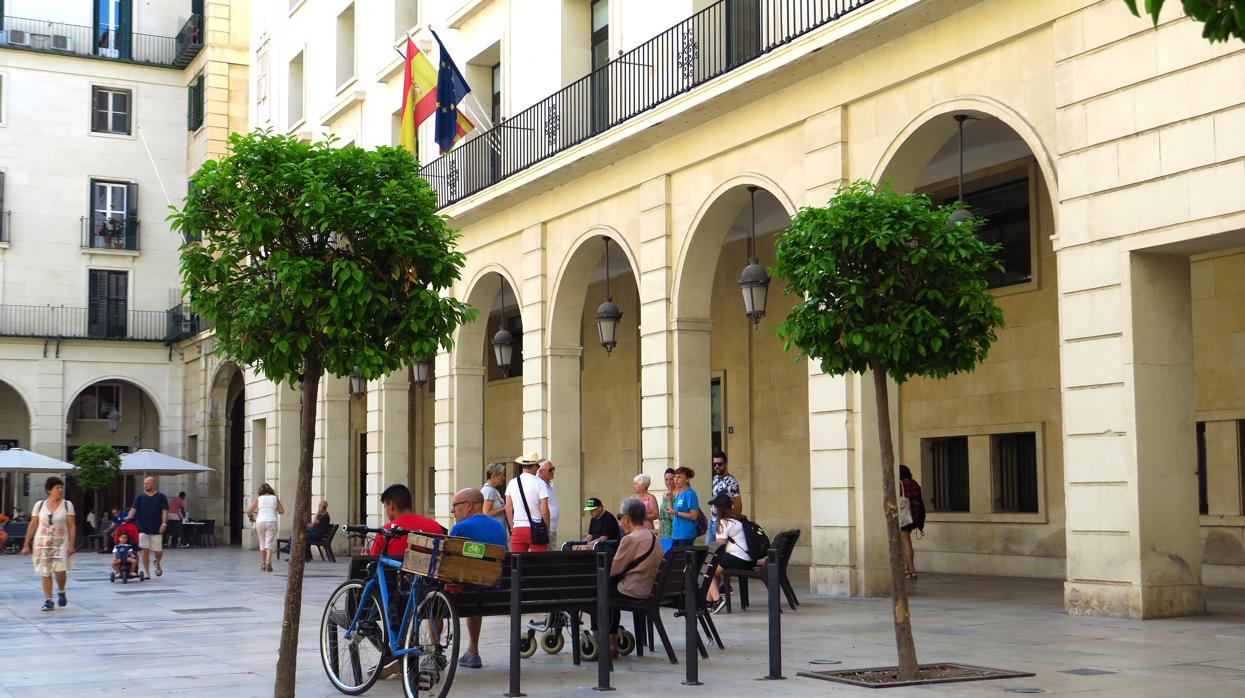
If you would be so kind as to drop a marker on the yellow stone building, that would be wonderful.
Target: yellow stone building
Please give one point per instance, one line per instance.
(1099, 443)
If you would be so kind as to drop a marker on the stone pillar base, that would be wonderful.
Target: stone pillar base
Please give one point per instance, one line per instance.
(1132, 601)
(844, 581)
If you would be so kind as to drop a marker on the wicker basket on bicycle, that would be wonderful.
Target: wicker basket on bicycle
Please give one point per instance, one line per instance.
(451, 559)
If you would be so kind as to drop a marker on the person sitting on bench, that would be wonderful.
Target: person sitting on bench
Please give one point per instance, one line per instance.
(635, 564)
(320, 524)
(473, 523)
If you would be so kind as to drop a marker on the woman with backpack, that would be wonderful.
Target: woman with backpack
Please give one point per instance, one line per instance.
(735, 553)
(911, 491)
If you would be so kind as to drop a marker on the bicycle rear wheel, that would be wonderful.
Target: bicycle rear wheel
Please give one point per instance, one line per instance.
(353, 663)
(430, 672)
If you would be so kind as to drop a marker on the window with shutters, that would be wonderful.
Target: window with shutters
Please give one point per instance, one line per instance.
(599, 46)
(345, 46)
(98, 401)
(3, 102)
(4, 213)
(1203, 493)
(261, 86)
(113, 219)
(946, 468)
(111, 110)
(1015, 472)
(405, 17)
(294, 92)
(107, 304)
(194, 103)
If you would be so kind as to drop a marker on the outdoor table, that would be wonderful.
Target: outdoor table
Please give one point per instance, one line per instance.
(192, 532)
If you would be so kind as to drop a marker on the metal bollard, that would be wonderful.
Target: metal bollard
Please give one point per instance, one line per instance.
(773, 585)
(605, 661)
(516, 622)
(691, 594)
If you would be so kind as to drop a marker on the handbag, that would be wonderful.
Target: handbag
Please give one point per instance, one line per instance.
(905, 512)
(539, 530)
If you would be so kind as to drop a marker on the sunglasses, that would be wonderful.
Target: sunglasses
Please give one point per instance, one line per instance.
(457, 503)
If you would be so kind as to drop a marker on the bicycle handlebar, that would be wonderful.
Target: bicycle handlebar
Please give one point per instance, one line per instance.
(395, 532)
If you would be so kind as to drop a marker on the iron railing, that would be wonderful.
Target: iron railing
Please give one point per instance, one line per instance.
(183, 322)
(112, 44)
(109, 233)
(710, 43)
(61, 322)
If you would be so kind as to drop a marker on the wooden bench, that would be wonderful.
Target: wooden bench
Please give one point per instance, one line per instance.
(784, 543)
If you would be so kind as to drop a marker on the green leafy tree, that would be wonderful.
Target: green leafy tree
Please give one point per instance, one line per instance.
(895, 286)
(96, 466)
(311, 259)
(1221, 19)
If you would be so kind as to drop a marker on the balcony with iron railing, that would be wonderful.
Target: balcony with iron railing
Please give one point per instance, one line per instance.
(101, 321)
(109, 44)
(109, 233)
(713, 42)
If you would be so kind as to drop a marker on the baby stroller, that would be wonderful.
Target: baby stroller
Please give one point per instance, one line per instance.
(555, 623)
(129, 530)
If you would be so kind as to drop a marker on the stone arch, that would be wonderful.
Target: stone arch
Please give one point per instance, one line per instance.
(481, 291)
(916, 143)
(21, 394)
(161, 408)
(16, 422)
(698, 256)
(567, 303)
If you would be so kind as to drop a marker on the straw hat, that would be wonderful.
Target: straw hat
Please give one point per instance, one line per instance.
(528, 458)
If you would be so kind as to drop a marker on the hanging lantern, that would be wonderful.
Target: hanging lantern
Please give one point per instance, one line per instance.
(503, 341)
(114, 420)
(754, 280)
(960, 214)
(356, 382)
(608, 314)
(419, 372)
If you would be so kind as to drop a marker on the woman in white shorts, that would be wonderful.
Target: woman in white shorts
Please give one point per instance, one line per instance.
(263, 513)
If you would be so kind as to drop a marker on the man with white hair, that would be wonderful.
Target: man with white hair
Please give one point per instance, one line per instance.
(545, 473)
(527, 502)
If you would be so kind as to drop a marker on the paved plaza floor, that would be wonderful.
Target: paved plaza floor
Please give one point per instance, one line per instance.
(210, 626)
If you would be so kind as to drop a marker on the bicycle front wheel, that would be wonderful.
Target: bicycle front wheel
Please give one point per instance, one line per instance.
(434, 630)
(353, 656)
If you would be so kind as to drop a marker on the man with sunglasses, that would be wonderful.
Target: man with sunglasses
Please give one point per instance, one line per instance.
(545, 473)
(473, 523)
(723, 483)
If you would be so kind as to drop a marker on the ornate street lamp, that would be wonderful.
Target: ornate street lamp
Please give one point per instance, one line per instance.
(114, 420)
(961, 213)
(754, 280)
(503, 341)
(357, 386)
(608, 314)
(419, 372)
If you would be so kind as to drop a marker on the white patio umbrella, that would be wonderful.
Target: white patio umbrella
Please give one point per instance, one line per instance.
(19, 460)
(156, 463)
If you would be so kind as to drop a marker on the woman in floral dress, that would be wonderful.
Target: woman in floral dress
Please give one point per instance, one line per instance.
(51, 535)
(665, 523)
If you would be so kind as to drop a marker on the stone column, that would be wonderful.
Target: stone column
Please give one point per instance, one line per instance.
(283, 443)
(388, 441)
(692, 438)
(48, 413)
(332, 457)
(658, 390)
(459, 430)
(1134, 547)
(536, 401)
(564, 432)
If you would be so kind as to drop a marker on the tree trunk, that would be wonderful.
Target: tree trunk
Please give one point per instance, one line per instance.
(890, 505)
(287, 652)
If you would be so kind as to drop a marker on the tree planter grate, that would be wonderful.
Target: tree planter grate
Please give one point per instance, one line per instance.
(888, 676)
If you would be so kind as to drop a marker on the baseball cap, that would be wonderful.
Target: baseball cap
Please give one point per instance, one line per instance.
(592, 504)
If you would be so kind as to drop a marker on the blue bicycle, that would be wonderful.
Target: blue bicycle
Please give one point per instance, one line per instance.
(358, 642)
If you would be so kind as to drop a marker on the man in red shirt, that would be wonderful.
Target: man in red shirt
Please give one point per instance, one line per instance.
(397, 502)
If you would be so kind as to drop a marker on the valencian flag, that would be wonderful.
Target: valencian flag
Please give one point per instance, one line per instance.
(419, 94)
(451, 89)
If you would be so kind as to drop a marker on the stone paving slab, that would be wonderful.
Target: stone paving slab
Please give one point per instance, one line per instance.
(212, 630)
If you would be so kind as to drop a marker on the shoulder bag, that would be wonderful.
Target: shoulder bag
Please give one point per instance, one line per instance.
(539, 530)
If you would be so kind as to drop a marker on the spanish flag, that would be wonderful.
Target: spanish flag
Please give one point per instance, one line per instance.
(419, 95)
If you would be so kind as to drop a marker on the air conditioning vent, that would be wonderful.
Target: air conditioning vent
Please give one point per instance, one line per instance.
(61, 43)
(17, 37)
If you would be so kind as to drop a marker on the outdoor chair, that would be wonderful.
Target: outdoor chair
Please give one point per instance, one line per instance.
(784, 543)
(325, 545)
(207, 533)
(645, 612)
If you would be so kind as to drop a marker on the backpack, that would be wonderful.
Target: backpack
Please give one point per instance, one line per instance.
(757, 541)
(702, 524)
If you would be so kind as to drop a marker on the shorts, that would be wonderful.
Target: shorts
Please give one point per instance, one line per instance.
(730, 562)
(267, 533)
(521, 541)
(909, 527)
(153, 541)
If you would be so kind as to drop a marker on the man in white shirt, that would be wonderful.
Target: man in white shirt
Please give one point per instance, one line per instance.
(536, 496)
(545, 473)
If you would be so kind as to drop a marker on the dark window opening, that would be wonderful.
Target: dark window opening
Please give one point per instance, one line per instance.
(1005, 208)
(111, 110)
(107, 305)
(1015, 472)
(600, 48)
(743, 31)
(715, 413)
(114, 21)
(1203, 499)
(948, 461)
(194, 104)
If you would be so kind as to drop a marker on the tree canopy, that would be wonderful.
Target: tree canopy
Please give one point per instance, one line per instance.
(883, 275)
(96, 466)
(1221, 19)
(307, 249)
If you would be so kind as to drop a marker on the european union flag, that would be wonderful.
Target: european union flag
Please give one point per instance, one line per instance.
(451, 88)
